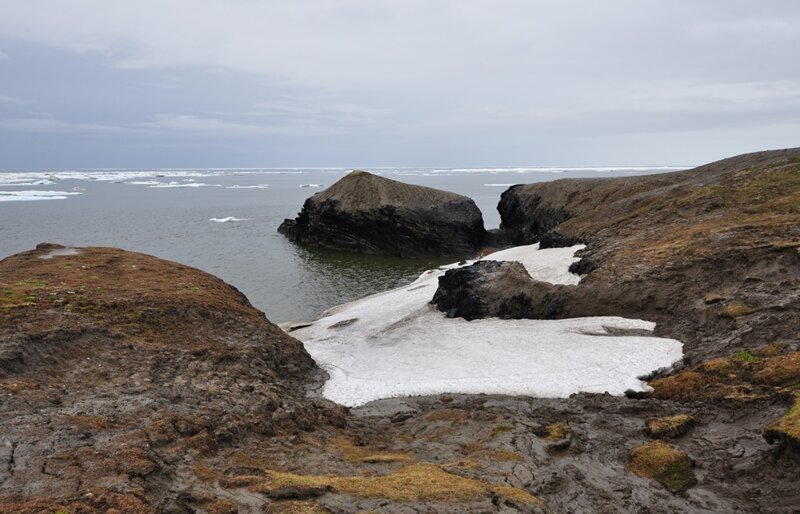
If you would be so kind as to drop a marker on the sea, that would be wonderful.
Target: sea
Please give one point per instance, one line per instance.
(224, 221)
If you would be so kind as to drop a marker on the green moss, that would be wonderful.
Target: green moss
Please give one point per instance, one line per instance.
(663, 463)
(744, 356)
(786, 428)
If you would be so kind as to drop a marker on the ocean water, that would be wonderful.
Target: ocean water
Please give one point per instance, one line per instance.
(225, 221)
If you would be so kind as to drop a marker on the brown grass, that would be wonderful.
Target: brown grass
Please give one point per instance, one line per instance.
(659, 461)
(88, 422)
(683, 386)
(669, 426)
(783, 370)
(205, 473)
(505, 456)
(743, 376)
(452, 415)
(557, 431)
(415, 483)
(713, 298)
(297, 507)
(736, 309)
(352, 453)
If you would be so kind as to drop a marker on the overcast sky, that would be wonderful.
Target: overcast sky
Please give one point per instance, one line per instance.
(182, 83)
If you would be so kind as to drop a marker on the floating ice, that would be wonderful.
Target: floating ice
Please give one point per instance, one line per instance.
(30, 196)
(228, 219)
(311, 185)
(257, 186)
(396, 344)
(182, 184)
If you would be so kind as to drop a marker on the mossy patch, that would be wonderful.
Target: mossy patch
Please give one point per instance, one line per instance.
(744, 376)
(557, 431)
(736, 309)
(787, 428)
(669, 426)
(353, 453)
(683, 386)
(663, 463)
(414, 483)
(781, 370)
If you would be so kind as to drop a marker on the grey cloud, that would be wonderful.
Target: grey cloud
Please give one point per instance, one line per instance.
(332, 82)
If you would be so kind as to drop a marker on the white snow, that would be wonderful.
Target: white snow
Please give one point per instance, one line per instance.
(550, 265)
(395, 344)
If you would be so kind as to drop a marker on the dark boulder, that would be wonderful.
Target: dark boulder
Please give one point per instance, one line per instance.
(499, 289)
(554, 239)
(584, 266)
(366, 213)
(525, 217)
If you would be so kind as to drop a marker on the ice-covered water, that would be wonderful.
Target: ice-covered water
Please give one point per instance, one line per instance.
(166, 212)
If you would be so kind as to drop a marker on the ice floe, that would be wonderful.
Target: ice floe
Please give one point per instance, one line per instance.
(311, 185)
(228, 219)
(183, 184)
(256, 186)
(30, 196)
(395, 344)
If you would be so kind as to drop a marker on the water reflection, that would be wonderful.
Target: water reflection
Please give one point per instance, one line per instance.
(332, 277)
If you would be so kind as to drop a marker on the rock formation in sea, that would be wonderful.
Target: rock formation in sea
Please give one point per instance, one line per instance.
(367, 213)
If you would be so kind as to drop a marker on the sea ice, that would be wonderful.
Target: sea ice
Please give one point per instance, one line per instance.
(228, 219)
(30, 196)
(395, 344)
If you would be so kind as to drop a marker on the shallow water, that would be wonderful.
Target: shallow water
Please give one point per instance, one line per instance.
(169, 213)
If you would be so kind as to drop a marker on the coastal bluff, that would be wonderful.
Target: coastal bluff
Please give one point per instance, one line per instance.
(366, 213)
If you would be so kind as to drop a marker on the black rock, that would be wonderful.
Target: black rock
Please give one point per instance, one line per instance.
(554, 239)
(583, 266)
(369, 214)
(498, 289)
(524, 216)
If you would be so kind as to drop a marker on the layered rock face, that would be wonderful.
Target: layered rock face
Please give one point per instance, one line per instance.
(366, 213)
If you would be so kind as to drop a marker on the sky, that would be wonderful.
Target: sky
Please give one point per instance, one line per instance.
(360, 83)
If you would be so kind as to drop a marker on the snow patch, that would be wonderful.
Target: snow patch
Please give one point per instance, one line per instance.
(396, 344)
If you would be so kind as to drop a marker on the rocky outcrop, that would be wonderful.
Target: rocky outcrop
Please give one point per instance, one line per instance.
(657, 245)
(366, 213)
(119, 370)
(498, 289)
